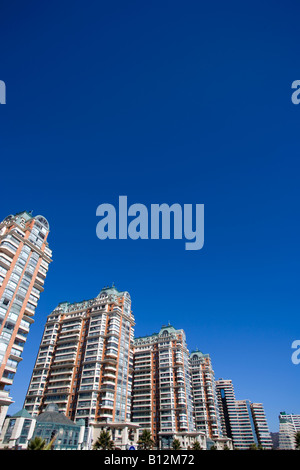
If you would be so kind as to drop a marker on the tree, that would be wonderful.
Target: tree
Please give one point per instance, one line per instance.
(145, 441)
(104, 442)
(176, 444)
(37, 443)
(196, 445)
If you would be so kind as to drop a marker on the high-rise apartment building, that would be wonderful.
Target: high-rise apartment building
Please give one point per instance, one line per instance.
(85, 364)
(24, 261)
(243, 421)
(207, 416)
(228, 412)
(162, 386)
(289, 425)
(246, 424)
(261, 426)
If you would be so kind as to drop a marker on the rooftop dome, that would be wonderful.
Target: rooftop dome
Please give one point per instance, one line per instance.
(53, 415)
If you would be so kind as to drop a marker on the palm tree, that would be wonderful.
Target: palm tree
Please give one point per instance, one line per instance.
(176, 444)
(196, 445)
(145, 441)
(104, 442)
(37, 443)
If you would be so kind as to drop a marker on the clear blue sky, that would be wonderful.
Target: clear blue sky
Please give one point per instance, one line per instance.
(164, 101)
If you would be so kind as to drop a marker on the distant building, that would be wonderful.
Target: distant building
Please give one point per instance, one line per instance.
(228, 411)
(243, 421)
(162, 399)
(24, 260)
(207, 415)
(246, 424)
(253, 425)
(289, 425)
(261, 426)
(275, 439)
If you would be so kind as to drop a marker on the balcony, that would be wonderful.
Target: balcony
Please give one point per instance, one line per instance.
(65, 358)
(110, 366)
(107, 387)
(15, 355)
(113, 332)
(105, 414)
(109, 360)
(48, 252)
(8, 249)
(7, 381)
(106, 406)
(54, 390)
(41, 273)
(5, 263)
(64, 401)
(111, 353)
(38, 284)
(108, 381)
(29, 311)
(5, 399)
(109, 375)
(68, 337)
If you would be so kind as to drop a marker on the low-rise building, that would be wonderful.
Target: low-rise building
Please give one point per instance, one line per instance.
(21, 428)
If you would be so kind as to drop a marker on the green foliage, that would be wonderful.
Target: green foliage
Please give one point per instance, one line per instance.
(176, 444)
(104, 442)
(37, 443)
(145, 441)
(196, 445)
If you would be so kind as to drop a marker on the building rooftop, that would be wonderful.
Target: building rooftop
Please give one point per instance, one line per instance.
(165, 328)
(52, 415)
(22, 414)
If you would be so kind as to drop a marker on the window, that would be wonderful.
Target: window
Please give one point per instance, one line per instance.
(25, 431)
(9, 430)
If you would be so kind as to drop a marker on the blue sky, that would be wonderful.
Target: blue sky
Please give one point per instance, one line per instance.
(175, 102)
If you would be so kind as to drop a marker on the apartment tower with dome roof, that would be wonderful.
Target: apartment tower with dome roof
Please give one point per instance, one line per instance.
(24, 260)
(85, 364)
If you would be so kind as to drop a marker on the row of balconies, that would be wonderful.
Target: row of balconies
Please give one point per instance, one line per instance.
(65, 357)
(57, 389)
